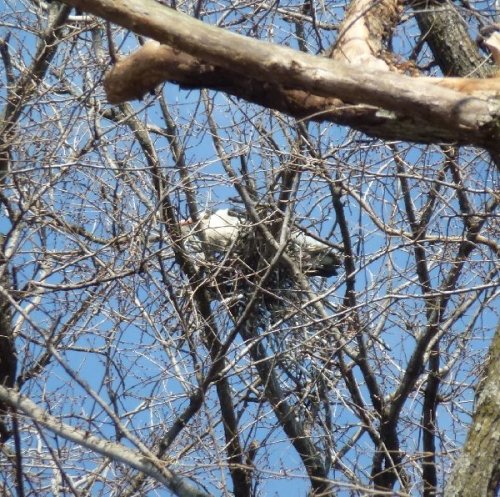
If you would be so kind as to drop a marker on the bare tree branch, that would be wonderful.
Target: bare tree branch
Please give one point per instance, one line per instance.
(146, 463)
(156, 291)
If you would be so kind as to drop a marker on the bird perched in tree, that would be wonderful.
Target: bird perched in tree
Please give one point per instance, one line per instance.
(222, 228)
(317, 257)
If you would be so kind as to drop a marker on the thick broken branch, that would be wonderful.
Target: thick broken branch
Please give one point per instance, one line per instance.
(153, 64)
(412, 109)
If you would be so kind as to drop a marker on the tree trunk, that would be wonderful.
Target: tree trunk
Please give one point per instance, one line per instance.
(477, 470)
(444, 30)
(8, 361)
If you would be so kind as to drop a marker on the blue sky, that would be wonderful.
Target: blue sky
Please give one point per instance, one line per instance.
(126, 338)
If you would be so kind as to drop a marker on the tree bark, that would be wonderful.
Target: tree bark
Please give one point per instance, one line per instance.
(477, 470)
(444, 30)
(8, 361)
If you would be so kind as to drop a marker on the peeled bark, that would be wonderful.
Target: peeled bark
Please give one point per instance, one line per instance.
(363, 30)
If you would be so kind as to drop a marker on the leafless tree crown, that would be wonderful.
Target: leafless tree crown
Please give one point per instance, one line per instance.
(274, 273)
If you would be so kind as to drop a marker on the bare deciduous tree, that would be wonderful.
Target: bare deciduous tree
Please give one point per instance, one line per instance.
(331, 331)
